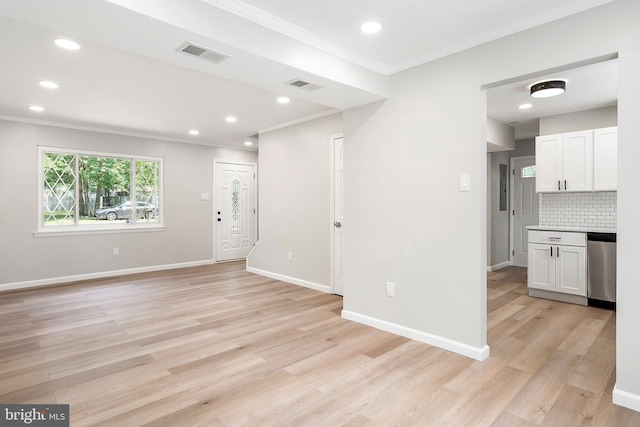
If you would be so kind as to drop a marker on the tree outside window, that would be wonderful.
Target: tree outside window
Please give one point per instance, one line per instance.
(80, 189)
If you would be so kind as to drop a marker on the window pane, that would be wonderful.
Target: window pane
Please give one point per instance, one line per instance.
(86, 189)
(59, 189)
(147, 190)
(528, 172)
(235, 205)
(104, 189)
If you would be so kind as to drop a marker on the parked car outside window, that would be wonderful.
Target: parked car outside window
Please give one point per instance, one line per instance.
(123, 211)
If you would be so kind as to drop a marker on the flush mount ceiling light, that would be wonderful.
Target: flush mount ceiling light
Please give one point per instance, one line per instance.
(67, 44)
(194, 132)
(283, 100)
(370, 27)
(48, 85)
(525, 106)
(231, 119)
(548, 88)
(36, 108)
(248, 143)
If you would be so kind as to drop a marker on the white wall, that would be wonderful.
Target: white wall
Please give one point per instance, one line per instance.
(500, 137)
(499, 219)
(404, 157)
(580, 120)
(293, 181)
(628, 300)
(409, 224)
(524, 147)
(188, 171)
(489, 196)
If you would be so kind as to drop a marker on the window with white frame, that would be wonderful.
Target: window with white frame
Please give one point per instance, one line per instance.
(85, 190)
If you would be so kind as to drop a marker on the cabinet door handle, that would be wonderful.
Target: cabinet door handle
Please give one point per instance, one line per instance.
(565, 184)
(558, 251)
(551, 251)
(559, 186)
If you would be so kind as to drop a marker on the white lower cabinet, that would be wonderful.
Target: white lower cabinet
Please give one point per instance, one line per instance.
(557, 262)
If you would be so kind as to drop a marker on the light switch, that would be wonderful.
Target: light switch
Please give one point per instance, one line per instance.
(465, 182)
(205, 196)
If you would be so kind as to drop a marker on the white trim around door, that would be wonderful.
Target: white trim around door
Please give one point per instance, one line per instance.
(517, 207)
(335, 235)
(250, 210)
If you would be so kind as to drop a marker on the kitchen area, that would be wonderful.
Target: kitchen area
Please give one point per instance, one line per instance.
(551, 203)
(572, 251)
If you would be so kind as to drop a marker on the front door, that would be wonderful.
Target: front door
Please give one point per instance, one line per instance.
(524, 210)
(234, 210)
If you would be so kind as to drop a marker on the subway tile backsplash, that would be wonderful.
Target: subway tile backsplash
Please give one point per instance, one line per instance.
(593, 210)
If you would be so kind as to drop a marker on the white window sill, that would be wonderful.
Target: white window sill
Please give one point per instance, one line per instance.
(82, 231)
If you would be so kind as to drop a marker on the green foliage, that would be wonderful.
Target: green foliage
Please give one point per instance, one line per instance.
(147, 180)
(99, 179)
(59, 170)
(105, 173)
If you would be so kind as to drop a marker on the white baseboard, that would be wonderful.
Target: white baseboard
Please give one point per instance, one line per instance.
(626, 399)
(100, 275)
(499, 266)
(477, 353)
(292, 280)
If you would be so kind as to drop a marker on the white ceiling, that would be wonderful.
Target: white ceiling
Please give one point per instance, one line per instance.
(128, 77)
(588, 87)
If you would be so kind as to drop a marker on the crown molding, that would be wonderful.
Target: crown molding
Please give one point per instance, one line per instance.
(119, 132)
(515, 27)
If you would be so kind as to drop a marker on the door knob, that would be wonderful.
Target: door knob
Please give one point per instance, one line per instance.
(337, 224)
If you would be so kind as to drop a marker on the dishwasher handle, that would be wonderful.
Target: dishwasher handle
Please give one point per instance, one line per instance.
(602, 237)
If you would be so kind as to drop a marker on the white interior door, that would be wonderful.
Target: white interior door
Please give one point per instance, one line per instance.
(524, 210)
(338, 213)
(234, 210)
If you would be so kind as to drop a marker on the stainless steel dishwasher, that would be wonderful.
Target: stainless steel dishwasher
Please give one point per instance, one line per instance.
(601, 270)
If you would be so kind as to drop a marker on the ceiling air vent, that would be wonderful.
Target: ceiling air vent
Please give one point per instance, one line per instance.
(304, 85)
(207, 54)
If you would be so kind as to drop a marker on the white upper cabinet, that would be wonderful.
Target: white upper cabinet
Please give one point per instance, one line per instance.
(548, 163)
(564, 162)
(577, 161)
(605, 159)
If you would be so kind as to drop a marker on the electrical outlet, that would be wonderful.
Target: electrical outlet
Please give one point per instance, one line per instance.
(116, 251)
(290, 256)
(391, 289)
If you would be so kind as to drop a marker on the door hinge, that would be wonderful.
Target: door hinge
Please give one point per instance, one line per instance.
(254, 211)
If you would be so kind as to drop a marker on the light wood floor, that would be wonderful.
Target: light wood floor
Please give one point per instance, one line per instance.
(217, 346)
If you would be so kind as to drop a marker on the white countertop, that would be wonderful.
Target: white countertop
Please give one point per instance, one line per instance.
(575, 229)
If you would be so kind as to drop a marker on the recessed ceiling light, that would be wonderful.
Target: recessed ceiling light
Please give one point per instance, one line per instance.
(525, 106)
(231, 119)
(370, 27)
(36, 108)
(66, 44)
(548, 89)
(248, 143)
(283, 100)
(194, 132)
(48, 84)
